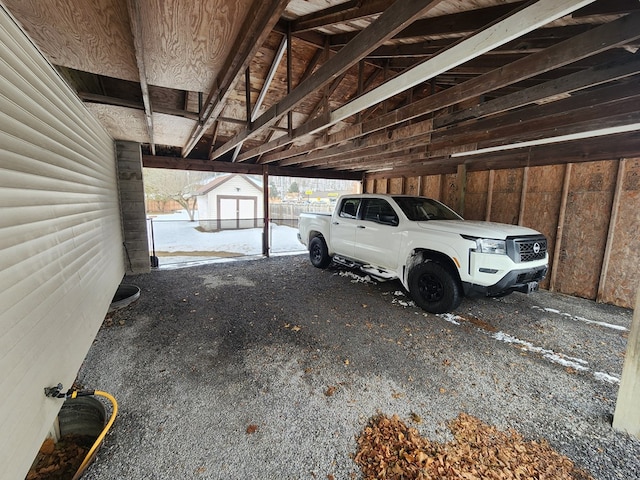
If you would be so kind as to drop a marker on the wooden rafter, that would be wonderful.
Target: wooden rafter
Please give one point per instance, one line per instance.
(597, 40)
(585, 150)
(136, 31)
(344, 12)
(394, 19)
(256, 28)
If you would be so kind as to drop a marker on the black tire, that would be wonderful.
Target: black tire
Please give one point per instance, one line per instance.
(318, 253)
(434, 288)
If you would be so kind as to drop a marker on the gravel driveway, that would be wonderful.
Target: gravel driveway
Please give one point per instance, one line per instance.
(270, 368)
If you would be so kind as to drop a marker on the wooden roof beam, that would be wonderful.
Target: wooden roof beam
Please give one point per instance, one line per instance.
(133, 8)
(344, 12)
(546, 91)
(597, 40)
(394, 19)
(462, 23)
(522, 21)
(257, 26)
(622, 145)
(179, 163)
(608, 107)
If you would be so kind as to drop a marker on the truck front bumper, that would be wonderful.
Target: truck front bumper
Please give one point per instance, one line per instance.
(524, 281)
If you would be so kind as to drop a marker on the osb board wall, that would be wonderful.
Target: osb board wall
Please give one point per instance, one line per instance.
(475, 205)
(412, 186)
(623, 273)
(542, 204)
(586, 226)
(430, 186)
(449, 193)
(505, 205)
(396, 186)
(587, 218)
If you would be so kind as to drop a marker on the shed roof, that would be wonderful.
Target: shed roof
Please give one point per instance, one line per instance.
(218, 181)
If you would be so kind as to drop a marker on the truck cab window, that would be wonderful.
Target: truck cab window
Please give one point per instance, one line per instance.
(379, 210)
(349, 208)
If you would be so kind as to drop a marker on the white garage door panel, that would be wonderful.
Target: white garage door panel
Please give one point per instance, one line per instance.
(60, 241)
(247, 212)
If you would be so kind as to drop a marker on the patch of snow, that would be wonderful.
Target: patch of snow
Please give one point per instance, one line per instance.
(175, 233)
(450, 317)
(403, 303)
(399, 293)
(356, 278)
(575, 363)
(582, 319)
(605, 377)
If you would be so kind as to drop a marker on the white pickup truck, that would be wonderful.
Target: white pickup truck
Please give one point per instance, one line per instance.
(437, 255)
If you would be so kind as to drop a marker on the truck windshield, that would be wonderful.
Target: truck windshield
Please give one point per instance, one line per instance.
(419, 209)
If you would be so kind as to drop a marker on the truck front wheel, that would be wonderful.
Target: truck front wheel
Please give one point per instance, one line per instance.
(434, 288)
(318, 253)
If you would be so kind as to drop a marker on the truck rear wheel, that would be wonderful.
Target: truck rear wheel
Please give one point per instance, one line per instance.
(434, 288)
(319, 253)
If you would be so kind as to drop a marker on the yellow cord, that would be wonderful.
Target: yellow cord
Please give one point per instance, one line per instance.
(100, 438)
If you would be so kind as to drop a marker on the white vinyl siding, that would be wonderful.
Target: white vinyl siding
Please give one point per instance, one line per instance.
(60, 241)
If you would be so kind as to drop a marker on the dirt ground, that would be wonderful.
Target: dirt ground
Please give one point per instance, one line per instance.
(271, 369)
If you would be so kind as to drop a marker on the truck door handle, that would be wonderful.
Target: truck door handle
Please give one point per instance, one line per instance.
(336, 223)
(361, 226)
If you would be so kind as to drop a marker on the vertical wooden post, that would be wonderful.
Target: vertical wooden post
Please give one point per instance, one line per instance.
(265, 195)
(523, 194)
(487, 214)
(461, 178)
(443, 187)
(627, 414)
(560, 228)
(289, 76)
(615, 207)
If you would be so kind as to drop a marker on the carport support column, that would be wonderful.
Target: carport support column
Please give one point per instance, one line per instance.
(627, 414)
(132, 209)
(265, 194)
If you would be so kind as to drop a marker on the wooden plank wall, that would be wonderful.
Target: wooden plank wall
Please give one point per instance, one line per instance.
(588, 211)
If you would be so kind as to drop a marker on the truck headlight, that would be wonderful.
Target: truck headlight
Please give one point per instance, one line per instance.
(491, 245)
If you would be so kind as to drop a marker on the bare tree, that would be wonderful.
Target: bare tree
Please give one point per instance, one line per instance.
(178, 185)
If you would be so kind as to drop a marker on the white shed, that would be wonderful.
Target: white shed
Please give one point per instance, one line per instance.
(230, 202)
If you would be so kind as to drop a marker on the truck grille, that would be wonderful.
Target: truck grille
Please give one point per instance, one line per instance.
(527, 249)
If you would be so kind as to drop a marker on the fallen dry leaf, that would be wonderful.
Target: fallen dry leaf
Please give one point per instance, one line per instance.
(388, 449)
(330, 391)
(252, 429)
(295, 329)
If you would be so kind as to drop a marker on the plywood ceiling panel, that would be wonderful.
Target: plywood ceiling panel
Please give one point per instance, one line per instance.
(122, 123)
(186, 43)
(170, 130)
(92, 36)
